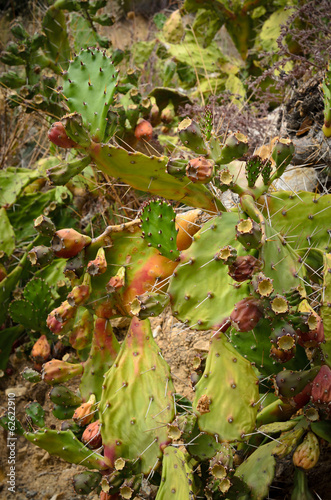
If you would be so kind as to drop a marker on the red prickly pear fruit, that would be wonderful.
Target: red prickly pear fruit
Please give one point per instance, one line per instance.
(98, 265)
(143, 130)
(282, 356)
(41, 350)
(57, 371)
(321, 386)
(116, 282)
(92, 436)
(58, 136)
(106, 496)
(243, 268)
(60, 317)
(246, 314)
(200, 170)
(301, 399)
(67, 243)
(79, 294)
(3, 272)
(315, 334)
(307, 453)
(84, 414)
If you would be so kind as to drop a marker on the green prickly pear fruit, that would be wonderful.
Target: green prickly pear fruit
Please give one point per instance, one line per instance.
(149, 304)
(41, 256)
(73, 125)
(98, 265)
(243, 268)
(58, 136)
(283, 336)
(68, 243)
(227, 254)
(235, 146)
(321, 387)
(84, 414)
(44, 226)
(80, 293)
(86, 481)
(289, 383)
(191, 136)
(61, 318)
(282, 154)
(91, 436)
(279, 304)
(249, 233)
(177, 167)
(246, 314)
(74, 266)
(57, 371)
(307, 453)
(143, 131)
(262, 285)
(61, 395)
(41, 350)
(200, 170)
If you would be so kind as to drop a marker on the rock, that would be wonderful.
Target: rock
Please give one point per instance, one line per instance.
(297, 179)
(19, 391)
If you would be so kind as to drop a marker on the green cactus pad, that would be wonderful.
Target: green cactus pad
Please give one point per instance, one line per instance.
(201, 292)
(177, 476)
(35, 414)
(65, 445)
(148, 173)
(158, 226)
(31, 375)
(103, 352)
(11, 425)
(86, 481)
(7, 234)
(258, 471)
(63, 412)
(227, 393)
(302, 218)
(89, 87)
(137, 395)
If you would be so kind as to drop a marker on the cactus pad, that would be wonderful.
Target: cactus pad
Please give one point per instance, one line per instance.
(177, 476)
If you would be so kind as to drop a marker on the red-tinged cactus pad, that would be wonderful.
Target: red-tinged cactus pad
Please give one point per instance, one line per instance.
(258, 470)
(177, 476)
(103, 352)
(58, 136)
(321, 387)
(65, 445)
(68, 243)
(57, 371)
(149, 174)
(137, 395)
(201, 292)
(133, 269)
(231, 386)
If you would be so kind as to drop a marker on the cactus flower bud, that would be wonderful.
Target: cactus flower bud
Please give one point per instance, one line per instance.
(143, 130)
(41, 350)
(58, 136)
(307, 453)
(321, 389)
(243, 268)
(246, 314)
(200, 170)
(57, 371)
(92, 436)
(84, 414)
(67, 243)
(98, 265)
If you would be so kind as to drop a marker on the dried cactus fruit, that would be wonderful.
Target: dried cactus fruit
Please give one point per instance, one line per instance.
(307, 453)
